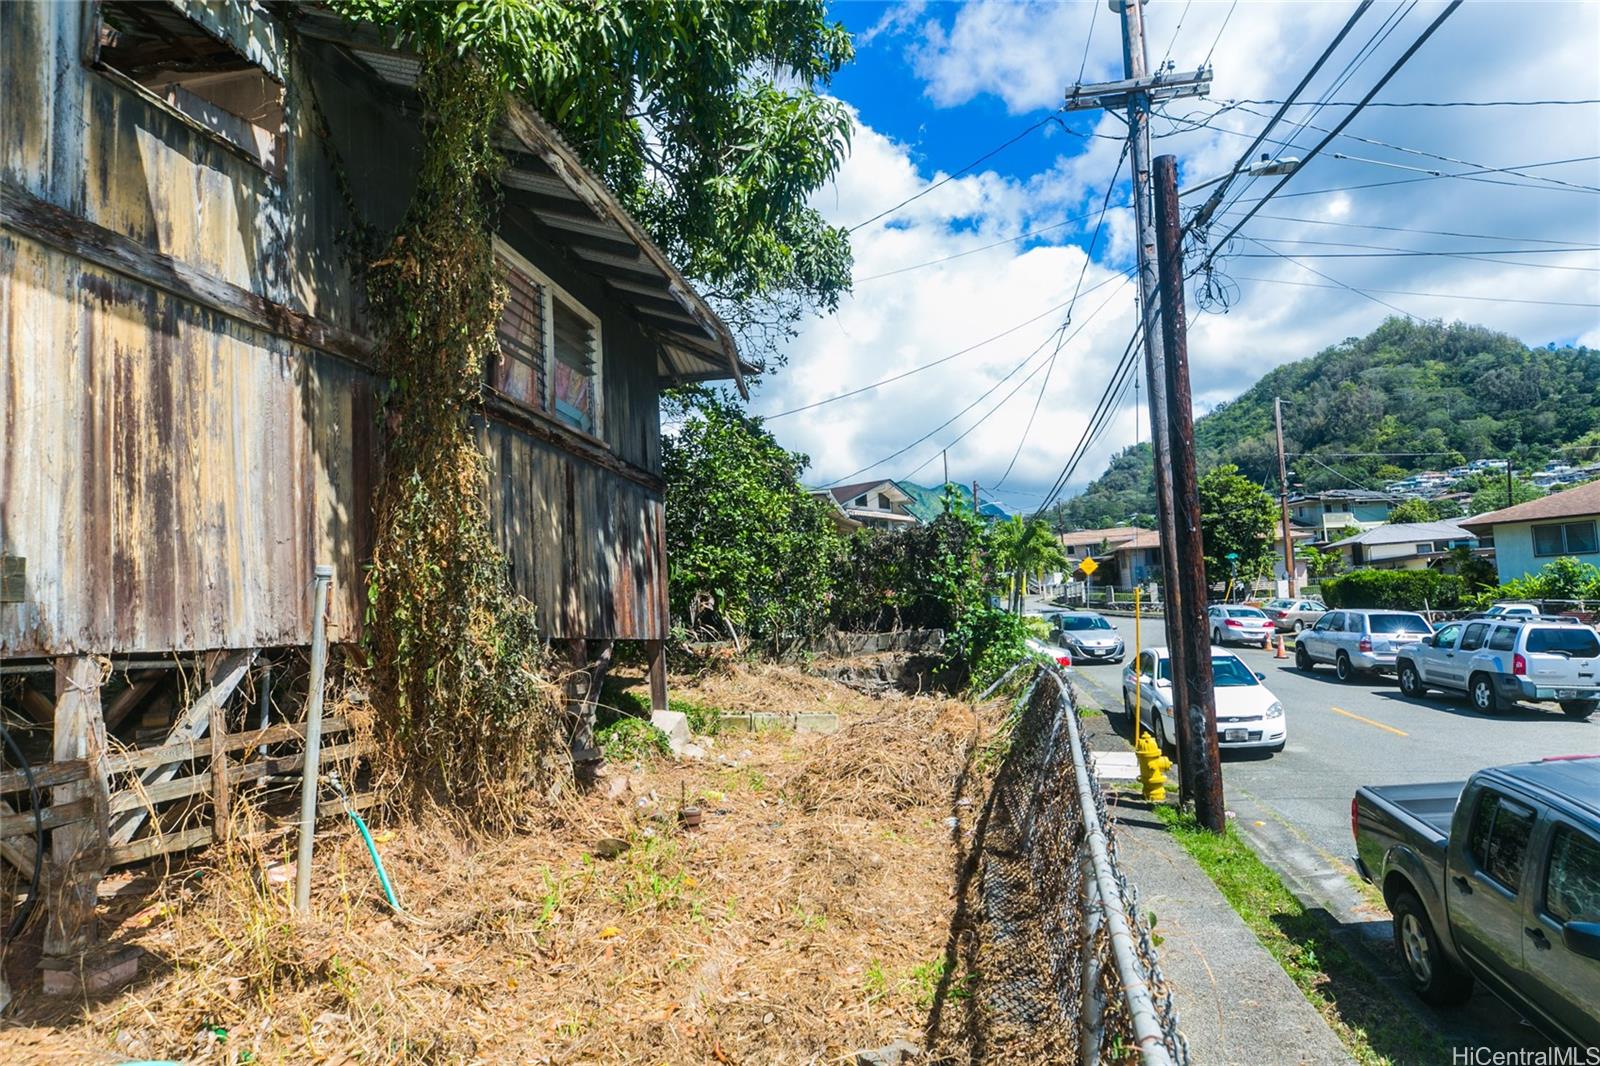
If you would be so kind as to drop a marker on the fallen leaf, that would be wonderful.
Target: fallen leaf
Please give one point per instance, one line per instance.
(610, 931)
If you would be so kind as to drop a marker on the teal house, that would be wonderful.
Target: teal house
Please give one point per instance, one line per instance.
(1531, 534)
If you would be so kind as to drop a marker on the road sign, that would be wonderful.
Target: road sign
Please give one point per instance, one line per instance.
(1088, 566)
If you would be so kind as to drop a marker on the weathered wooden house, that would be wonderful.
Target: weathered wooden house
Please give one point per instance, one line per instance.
(191, 413)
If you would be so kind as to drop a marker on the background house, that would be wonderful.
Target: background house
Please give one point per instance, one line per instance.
(1531, 534)
(1326, 513)
(1404, 545)
(874, 504)
(1126, 556)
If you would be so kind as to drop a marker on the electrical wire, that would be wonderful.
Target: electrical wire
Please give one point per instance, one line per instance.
(951, 177)
(1349, 117)
(1088, 255)
(1429, 103)
(1215, 199)
(1410, 292)
(974, 251)
(945, 358)
(1094, 13)
(1098, 416)
(1174, 40)
(1427, 232)
(1218, 40)
(983, 396)
(1475, 255)
(1468, 174)
(1329, 277)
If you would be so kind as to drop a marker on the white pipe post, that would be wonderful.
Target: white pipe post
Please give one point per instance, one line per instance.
(313, 761)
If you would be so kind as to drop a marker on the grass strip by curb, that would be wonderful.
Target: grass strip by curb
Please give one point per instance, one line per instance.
(1340, 986)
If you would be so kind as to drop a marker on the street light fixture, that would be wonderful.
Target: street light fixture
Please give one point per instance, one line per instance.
(1261, 168)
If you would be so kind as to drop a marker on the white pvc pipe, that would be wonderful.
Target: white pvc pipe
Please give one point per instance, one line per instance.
(313, 759)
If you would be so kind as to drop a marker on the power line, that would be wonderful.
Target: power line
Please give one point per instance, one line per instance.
(1175, 31)
(974, 251)
(1427, 232)
(1094, 13)
(1389, 74)
(1088, 254)
(1469, 174)
(1329, 277)
(984, 395)
(1097, 418)
(1215, 199)
(945, 358)
(951, 177)
(1410, 292)
(1218, 40)
(1427, 103)
(1474, 254)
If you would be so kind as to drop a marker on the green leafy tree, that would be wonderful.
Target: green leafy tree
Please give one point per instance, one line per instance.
(1444, 510)
(1412, 510)
(1236, 517)
(1320, 563)
(1489, 492)
(1024, 548)
(1344, 533)
(708, 120)
(748, 549)
(1477, 572)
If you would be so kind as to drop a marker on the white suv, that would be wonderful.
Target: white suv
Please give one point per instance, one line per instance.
(1499, 661)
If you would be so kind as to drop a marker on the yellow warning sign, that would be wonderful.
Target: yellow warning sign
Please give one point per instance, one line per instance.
(1088, 566)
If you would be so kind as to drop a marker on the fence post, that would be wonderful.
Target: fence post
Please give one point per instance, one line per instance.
(313, 758)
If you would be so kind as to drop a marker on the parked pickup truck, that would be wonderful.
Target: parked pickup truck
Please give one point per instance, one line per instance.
(1498, 880)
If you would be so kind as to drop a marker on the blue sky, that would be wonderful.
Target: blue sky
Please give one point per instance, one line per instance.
(936, 85)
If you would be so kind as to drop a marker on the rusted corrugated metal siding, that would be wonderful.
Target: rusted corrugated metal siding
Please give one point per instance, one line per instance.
(172, 474)
(583, 544)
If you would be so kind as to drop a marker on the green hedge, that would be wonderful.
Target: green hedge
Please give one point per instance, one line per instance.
(1406, 590)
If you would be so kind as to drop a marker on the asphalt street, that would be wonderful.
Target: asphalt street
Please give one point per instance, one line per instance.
(1343, 736)
(1294, 806)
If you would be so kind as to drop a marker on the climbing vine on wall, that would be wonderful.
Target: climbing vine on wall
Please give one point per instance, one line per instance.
(465, 705)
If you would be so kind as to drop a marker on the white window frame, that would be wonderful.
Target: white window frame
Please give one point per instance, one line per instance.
(550, 291)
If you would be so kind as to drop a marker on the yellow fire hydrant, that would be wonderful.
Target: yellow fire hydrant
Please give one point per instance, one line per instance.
(1153, 766)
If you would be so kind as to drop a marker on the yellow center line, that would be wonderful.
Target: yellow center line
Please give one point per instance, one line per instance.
(1380, 725)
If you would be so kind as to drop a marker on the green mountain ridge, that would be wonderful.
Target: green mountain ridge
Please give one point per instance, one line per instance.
(1446, 394)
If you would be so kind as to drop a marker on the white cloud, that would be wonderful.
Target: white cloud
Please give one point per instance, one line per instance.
(1025, 55)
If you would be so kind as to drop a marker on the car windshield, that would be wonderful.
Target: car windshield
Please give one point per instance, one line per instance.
(1082, 621)
(1567, 640)
(1244, 612)
(1399, 623)
(1228, 672)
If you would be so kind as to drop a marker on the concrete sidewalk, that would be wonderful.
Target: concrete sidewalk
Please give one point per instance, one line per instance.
(1235, 1003)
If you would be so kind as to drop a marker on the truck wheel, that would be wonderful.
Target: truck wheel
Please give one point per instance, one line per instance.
(1411, 681)
(1433, 976)
(1580, 710)
(1302, 659)
(1343, 669)
(1481, 689)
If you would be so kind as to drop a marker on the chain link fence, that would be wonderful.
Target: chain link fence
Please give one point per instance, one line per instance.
(1050, 961)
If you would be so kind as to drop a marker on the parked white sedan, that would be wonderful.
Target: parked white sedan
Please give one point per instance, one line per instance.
(1240, 625)
(1249, 716)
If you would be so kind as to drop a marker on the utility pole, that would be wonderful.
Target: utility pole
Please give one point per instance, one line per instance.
(974, 496)
(1135, 94)
(1509, 500)
(1201, 751)
(1283, 497)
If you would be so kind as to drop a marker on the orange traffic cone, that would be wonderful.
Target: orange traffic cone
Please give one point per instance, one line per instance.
(1280, 654)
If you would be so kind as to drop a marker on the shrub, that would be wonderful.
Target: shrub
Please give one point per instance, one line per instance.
(1406, 590)
(631, 739)
(703, 721)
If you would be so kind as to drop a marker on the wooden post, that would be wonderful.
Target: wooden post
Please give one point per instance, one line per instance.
(219, 774)
(77, 850)
(656, 650)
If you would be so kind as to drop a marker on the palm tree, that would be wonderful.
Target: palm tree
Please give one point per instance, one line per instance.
(1022, 548)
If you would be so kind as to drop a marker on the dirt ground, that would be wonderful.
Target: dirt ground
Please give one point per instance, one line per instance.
(806, 916)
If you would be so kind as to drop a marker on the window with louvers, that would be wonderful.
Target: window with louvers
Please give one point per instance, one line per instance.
(519, 372)
(573, 368)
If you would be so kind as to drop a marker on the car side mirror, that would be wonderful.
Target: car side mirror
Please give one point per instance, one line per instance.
(1144, 679)
(1260, 676)
(1582, 938)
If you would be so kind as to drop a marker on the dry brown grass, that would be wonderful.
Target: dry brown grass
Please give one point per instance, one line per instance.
(802, 921)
